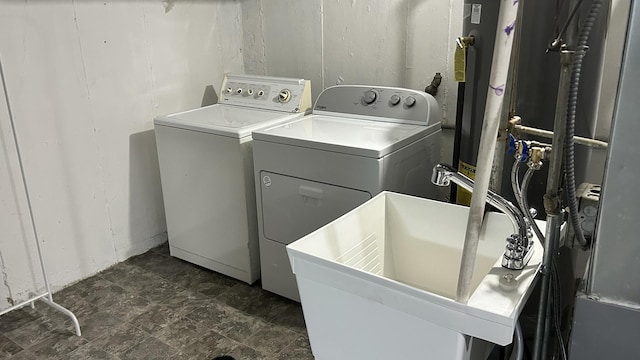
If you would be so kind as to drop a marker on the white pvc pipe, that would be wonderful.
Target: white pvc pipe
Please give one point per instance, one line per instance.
(486, 151)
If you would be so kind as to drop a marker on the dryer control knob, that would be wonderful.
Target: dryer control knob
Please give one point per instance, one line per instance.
(410, 101)
(229, 90)
(395, 100)
(239, 91)
(260, 93)
(370, 97)
(284, 95)
(250, 91)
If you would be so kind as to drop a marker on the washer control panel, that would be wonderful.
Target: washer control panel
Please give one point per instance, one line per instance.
(380, 103)
(267, 92)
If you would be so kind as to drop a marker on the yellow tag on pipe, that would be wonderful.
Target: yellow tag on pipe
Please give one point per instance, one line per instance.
(459, 59)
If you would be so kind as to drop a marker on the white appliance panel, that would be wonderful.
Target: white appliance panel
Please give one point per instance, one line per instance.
(226, 120)
(358, 141)
(206, 169)
(294, 207)
(351, 136)
(194, 189)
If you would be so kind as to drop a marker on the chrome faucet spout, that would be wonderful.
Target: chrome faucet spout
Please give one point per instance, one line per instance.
(519, 246)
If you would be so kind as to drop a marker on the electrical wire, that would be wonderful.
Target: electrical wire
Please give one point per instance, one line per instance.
(572, 104)
(557, 42)
(518, 344)
(555, 281)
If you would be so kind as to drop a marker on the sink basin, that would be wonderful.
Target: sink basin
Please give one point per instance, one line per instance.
(380, 282)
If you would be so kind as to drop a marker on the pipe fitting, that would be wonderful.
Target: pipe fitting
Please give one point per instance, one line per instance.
(432, 89)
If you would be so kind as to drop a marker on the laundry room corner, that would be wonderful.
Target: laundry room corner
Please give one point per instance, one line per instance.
(85, 80)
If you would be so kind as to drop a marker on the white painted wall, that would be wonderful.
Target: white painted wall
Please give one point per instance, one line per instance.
(379, 42)
(85, 80)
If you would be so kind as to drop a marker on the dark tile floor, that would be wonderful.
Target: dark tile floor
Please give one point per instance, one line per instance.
(157, 307)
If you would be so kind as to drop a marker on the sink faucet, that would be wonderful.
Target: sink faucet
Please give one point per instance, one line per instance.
(519, 246)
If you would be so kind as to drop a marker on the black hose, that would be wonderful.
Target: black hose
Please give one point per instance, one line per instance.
(572, 103)
(557, 299)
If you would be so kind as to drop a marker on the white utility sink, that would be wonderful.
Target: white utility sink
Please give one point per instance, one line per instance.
(380, 282)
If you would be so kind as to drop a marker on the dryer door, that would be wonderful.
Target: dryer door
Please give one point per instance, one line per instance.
(294, 207)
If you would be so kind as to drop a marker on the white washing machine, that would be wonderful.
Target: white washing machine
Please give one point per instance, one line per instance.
(359, 141)
(206, 169)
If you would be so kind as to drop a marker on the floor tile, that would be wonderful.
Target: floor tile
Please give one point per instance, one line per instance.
(150, 349)
(209, 345)
(202, 280)
(165, 266)
(244, 352)
(157, 307)
(55, 316)
(90, 352)
(8, 347)
(58, 345)
(291, 317)
(104, 294)
(181, 333)
(80, 290)
(272, 339)
(31, 333)
(155, 318)
(227, 321)
(120, 339)
(80, 308)
(125, 275)
(17, 318)
(158, 289)
(298, 350)
(152, 261)
(253, 300)
(97, 324)
(142, 282)
(184, 302)
(24, 355)
(126, 306)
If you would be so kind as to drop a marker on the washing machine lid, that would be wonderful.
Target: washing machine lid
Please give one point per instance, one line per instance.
(226, 120)
(345, 135)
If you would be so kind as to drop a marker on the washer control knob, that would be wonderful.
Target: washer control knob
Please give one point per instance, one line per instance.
(229, 90)
(370, 97)
(260, 93)
(410, 101)
(250, 91)
(239, 91)
(395, 100)
(284, 95)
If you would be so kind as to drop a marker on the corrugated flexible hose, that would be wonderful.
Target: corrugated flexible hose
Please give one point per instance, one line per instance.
(572, 103)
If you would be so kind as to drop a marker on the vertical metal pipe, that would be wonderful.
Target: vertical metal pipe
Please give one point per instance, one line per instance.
(486, 150)
(552, 201)
(551, 234)
(560, 119)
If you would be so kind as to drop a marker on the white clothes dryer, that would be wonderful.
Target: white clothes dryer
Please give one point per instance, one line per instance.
(359, 140)
(206, 170)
